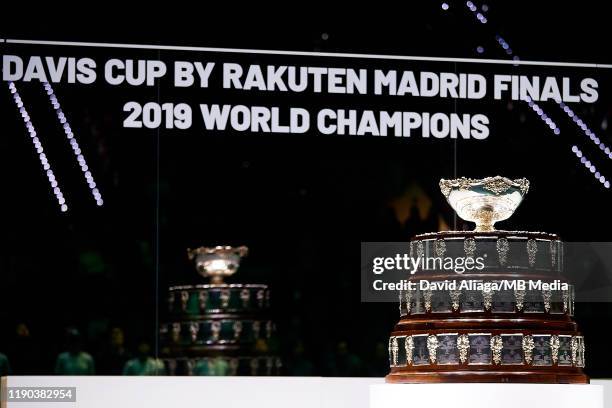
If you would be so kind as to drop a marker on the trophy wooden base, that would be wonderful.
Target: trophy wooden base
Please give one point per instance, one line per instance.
(522, 376)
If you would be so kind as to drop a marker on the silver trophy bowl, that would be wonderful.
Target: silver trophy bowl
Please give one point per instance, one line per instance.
(484, 201)
(217, 262)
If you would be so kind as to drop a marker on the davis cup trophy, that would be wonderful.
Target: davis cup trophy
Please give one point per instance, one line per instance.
(219, 328)
(496, 324)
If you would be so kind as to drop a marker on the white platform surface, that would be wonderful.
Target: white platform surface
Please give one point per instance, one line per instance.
(306, 392)
(487, 395)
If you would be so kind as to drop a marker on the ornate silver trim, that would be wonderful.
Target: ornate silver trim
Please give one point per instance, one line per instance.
(220, 331)
(245, 296)
(496, 345)
(580, 362)
(496, 348)
(500, 185)
(463, 345)
(439, 248)
(420, 249)
(394, 351)
(487, 298)
(432, 347)
(409, 346)
(455, 296)
(519, 296)
(574, 350)
(194, 328)
(216, 286)
(554, 348)
(261, 297)
(569, 342)
(528, 346)
(215, 328)
(497, 184)
(427, 294)
(225, 298)
(408, 301)
(461, 234)
(469, 246)
(546, 296)
(184, 299)
(532, 250)
(202, 299)
(237, 329)
(502, 246)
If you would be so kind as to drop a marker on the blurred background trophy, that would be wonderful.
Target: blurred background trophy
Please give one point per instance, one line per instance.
(219, 328)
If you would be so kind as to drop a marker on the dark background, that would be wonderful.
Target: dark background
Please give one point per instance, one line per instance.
(301, 203)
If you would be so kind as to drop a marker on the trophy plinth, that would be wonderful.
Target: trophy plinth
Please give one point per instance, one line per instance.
(217, 262)
(484, 201)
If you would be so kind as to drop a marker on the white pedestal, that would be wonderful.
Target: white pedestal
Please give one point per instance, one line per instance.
(305, 392)
(486, 395)
(201, 392)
